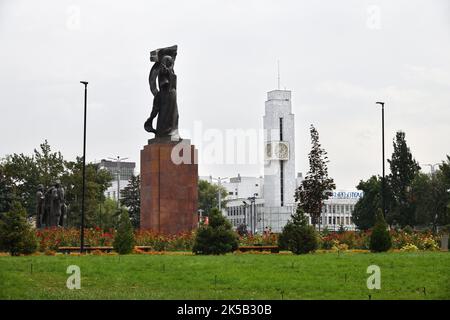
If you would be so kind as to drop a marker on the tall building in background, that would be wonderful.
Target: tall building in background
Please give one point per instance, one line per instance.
(279, 140)
(121, 175)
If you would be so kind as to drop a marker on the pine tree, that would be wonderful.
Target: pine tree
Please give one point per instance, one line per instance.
(317, 185)
(131, 198)
(124, 239)
(6, 191)
(380, 239)
(16, 234)
(217, 237)
(297, 235)
(403, 171)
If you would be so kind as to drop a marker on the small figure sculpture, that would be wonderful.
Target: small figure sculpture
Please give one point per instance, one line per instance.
(51, 207)
(165, 99)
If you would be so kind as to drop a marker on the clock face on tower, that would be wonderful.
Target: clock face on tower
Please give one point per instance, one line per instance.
(277, 150)
(282, 151)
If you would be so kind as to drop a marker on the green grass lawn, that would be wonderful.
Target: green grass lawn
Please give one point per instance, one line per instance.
(246, 276)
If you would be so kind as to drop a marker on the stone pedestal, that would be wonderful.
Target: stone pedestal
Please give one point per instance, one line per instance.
(169, 180)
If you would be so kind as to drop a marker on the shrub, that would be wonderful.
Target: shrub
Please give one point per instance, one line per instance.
(298, 236)
(380, 240)
(429, 244)
(124, 241)
(217, 237)
(409, 248)
(408, 229)
(16, 234)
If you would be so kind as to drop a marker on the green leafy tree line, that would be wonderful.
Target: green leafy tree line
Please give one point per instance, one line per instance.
(413, 198)
(20, 174)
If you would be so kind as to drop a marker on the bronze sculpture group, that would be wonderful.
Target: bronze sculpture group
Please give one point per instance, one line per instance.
(50, 206)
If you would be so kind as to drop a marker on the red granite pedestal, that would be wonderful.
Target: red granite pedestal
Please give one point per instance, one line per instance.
(169, 195)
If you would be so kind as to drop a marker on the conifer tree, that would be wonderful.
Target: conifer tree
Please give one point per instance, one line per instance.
(317, 185)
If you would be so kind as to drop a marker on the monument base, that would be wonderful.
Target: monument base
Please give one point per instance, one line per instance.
(169, 182)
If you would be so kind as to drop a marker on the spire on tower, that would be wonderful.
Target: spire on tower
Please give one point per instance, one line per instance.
(278, 61)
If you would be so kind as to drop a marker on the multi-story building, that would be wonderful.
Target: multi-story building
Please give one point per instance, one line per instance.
(336, 212)
(121, 172)
(338, 209)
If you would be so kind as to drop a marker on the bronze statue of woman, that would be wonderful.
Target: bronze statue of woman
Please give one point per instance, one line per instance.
(165, 99)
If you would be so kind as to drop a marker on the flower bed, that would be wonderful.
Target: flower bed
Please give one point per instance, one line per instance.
(52, 238)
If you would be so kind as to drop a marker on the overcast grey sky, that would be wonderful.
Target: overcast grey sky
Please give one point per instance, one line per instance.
(337, 57)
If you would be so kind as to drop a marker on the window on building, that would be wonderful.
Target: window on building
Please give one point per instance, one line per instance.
(230, 193)
(329, 220)
(334, 220)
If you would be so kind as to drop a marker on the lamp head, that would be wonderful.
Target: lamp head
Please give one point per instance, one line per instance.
(379, 102)
(84, 82)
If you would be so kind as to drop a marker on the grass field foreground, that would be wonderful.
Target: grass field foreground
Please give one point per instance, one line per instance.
(418, 275)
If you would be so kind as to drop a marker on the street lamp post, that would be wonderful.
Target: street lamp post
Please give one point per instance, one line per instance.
(383, 182)
(84, 169)
(200, 212)
(118, 159)
(245, 213)
(219, 182)
(432, 166)
(252, 214)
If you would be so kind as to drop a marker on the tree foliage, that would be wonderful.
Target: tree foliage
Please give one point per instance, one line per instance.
(16, 234)
(97, 181)
(366, 207)
(430, 198)
(124, 239)
(107, 215)
(131, 199)
(380, 239)
(6, 191)
(404, 169)
(412, 198)
(217, 237)
(208, 196)
(317, 185)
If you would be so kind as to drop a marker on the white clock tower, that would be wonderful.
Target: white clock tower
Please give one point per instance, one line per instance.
(279, 140)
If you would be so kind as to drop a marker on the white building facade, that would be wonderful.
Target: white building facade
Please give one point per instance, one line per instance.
(121, 173)
(279, 141)
(336, 213)
(240, 187)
